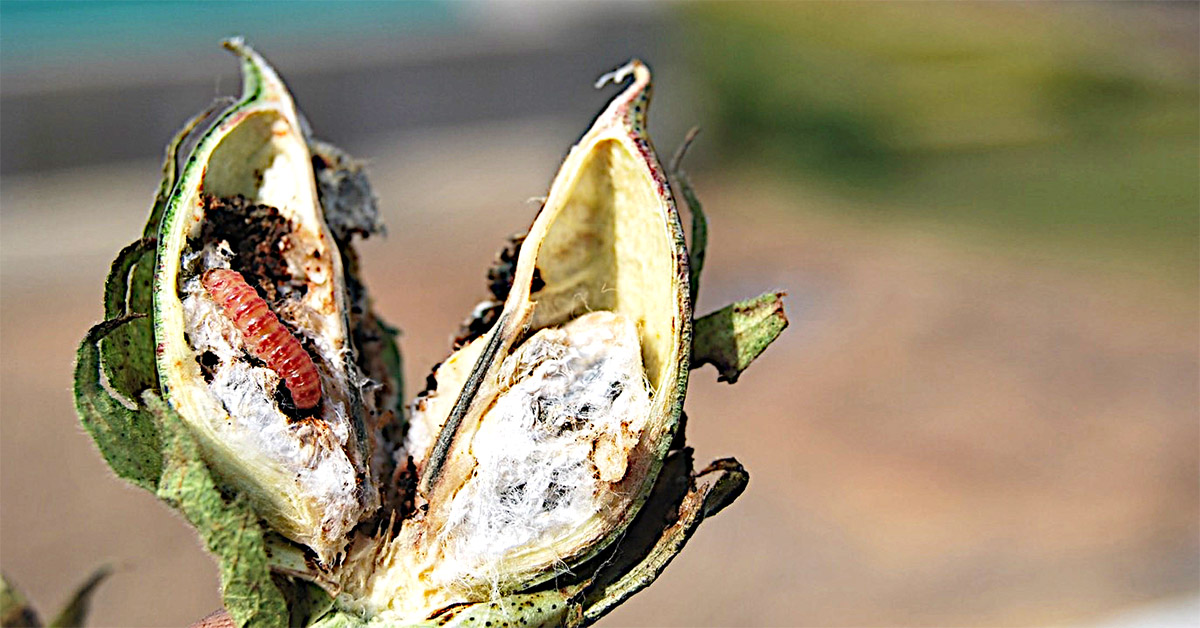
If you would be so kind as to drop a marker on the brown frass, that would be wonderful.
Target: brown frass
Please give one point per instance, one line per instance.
(258, 235)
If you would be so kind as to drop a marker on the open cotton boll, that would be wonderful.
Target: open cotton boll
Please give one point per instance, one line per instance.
(573, 404)
(304, 457)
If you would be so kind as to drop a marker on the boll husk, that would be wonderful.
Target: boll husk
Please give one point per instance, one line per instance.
(248, 198)
(551, 427)
(553, 430)
(166, 386)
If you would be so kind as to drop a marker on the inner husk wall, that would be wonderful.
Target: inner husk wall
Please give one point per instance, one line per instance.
(301, 475)
(607, 249)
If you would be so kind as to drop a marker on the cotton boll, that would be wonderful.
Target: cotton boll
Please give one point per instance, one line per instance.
(573, 403)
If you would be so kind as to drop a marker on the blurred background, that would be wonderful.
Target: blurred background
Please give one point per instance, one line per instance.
(985, 411)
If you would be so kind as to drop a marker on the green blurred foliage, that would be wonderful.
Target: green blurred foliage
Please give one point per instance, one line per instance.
(1068, 124)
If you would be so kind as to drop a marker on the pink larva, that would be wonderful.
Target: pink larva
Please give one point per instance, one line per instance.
(264, 335)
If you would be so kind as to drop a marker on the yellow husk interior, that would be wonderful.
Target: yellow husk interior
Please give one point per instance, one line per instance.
(264, 157)
(607, 239)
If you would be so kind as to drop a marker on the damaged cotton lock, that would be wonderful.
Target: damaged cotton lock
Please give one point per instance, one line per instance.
(248, 204)
(547, 435)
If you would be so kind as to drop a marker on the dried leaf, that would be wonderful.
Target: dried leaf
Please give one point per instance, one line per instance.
(732, 337)
(710, 490)
(15, 609)
(76, 610)
(698, 244)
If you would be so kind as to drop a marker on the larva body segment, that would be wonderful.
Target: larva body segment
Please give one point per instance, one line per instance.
(265, 337)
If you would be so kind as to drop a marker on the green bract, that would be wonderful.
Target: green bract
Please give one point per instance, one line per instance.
(555, 427)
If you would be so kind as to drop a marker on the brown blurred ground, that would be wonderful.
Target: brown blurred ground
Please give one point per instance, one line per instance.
(946, 435)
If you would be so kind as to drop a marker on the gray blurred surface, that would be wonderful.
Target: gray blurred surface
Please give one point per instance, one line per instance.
(489, 63)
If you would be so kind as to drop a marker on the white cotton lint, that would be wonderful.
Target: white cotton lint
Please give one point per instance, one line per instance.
(312, 459)
(573, 403)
